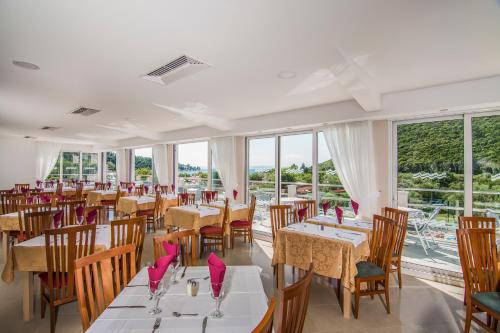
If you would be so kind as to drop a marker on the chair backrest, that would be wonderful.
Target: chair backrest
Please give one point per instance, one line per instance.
(129, 231)
(434, 213)
(225, 215)
(139, 190)
(187, 241)
(311, 205)
(184, 199)
(48, 184)
(125, 185)
(59, 189)
(478, 256)
(33, 208)
(69, 206)
(36, 223)
(100, 186)
(164, 189)
(293, 301)
(100, 277)
(79, 191)
(401, 219)
(281, 216)
(476, 222)
(11, 202)
(62, 247)
(101, 214)
(251, 208)
(266, 324)
(20, 187)
(382, 242)
(157, 209)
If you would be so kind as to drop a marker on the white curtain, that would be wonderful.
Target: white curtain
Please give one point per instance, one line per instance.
(46, 158)
(122, 165)
(351, 150)
(223, 154)
(160, 160)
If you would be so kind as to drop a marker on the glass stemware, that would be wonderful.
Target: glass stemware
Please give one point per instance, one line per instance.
(217, 293)
(176, 265)
(79, 220)
(154, 291)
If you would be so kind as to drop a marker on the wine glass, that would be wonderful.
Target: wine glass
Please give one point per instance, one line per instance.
(79, 220)
(217, 293)
(164, 283)
(154, 291)
(176, 265)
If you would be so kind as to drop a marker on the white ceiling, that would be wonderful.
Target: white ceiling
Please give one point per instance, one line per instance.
(93, 53)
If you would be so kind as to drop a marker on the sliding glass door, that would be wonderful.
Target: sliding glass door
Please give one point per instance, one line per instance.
(192, 167)
(143, 166)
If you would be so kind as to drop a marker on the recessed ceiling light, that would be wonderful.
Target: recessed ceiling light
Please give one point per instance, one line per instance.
(286, 75)
(25, 65)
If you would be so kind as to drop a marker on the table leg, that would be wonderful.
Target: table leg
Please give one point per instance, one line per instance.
(27, 295)
(347, 303)
(5, 245)
(280, 275)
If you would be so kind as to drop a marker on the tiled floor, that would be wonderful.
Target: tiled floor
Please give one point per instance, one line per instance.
(421, 306)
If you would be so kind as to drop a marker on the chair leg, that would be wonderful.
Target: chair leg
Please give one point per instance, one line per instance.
(232, 238)
(386, 289)
(43, 304)
(356, 298)
(468, 318)
(399, 273)
(223, 246)
(53, 318)
(371, 286)
(251, 236)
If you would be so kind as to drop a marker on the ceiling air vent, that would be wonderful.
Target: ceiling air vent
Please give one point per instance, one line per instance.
(49, 128)
(175, 70)
(30, 137)
(83, 111)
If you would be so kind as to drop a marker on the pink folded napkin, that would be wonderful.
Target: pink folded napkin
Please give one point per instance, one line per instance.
(340, 213)
(109, 185)
(355, 206)
(45, 199)
(302, 213)
(52, 183)
(171, 249)
(79, 211)
(60, 198)
(38, 183)
(157, 186)
(155, 275)
(146, 189)
(235, 194)
(217, 270)
(29, 200)
(184, 198)
(325, 206)
(173, 188)
(164, 261)
(58, 218)
(91, 216)
(24, 190)
(208, 196)
(129, 189)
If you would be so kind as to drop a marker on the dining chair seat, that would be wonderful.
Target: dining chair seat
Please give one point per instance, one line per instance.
(145, 212)
(44, 279)
(489, 299)
(368, 269)
(240, 223)
(211, 230)
(108, 202)
(21, 237)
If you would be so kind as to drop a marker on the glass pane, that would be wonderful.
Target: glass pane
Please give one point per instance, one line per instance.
(54, 174)
(192, 167)
(216, 182)
(329, 186)
(71, 166)
(430, 185)
(143, 166)
(110, 167)
(261, 178)
(486, 166)
(296, 167)
(89, 166)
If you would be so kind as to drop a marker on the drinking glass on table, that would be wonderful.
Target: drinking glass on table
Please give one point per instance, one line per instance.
(176, 265)
(217, 293)
(154, 291)
(79, 220)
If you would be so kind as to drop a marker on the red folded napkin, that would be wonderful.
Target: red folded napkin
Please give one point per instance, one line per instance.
(60, 198)
(164, 261)
(91, 216)
(208, 196)
(339, 212)
(45, 199)
(325, 206)
(38, 183)
(109, 185)
(129, 189)
(79, 211)
(146, 189)
(184, 198)
(235, 194)
(58, 218)
(217, 270)
(355, 206)
(156, 187)
(173, 188)
(24, 190)
(155, 275)
(302, 213)
(171, 249)
(29, 200)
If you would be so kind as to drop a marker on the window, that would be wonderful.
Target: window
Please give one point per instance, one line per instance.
(192, 167)
(143, 166)
(89, 166)
(71, 165)
(55, 174)
(110, 166)
(217, 182)
(296, 166)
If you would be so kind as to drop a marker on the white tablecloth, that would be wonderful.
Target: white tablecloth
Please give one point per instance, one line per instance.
(233, 206)
(102, 237)
(202, 210)
(244, 305)
(346, 221)
(332, 233)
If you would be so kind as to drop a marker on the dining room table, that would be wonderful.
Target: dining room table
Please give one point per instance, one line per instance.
(243, 303)
(193, 217)
(68, 190)
(236, 211)
(29, 257)
(95, 197)
(129, 205)
(333, 251)
(349, 223)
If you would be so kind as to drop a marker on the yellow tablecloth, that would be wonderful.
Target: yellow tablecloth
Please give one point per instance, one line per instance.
(130, 205)
(9, 222)
(236, 212)
(94, 197)
(189, 219)
(331, 257)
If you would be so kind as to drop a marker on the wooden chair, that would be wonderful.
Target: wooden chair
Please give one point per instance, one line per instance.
(375, 271)
(129, 231)
(213, 235)
(111, 204)
(164, 189)
(11, 202)
(153, 215)
(79, 191)
(281, 216)
(476, 222)
(187, 240)
(126, 185)
(478, 257)
(100, 186)
(59, 189)
(243, 228)
(266, 324)
(22, 210)
(312, 208)
(49, 184)
(69, 206)
(101, 216)
(293, 301)
(100, 277)
(36, 223)
(214, 195)
(57, 285)
(139, 190)
(184, 199)
(20, 187)
(401, 219)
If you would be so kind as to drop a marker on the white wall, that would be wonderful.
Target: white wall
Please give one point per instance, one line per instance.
(18, 162)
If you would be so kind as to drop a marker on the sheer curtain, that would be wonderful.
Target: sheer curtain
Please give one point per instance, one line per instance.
(223, 154)
(351, 151)
(46, 158)
(122, 165)
(160, 160)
